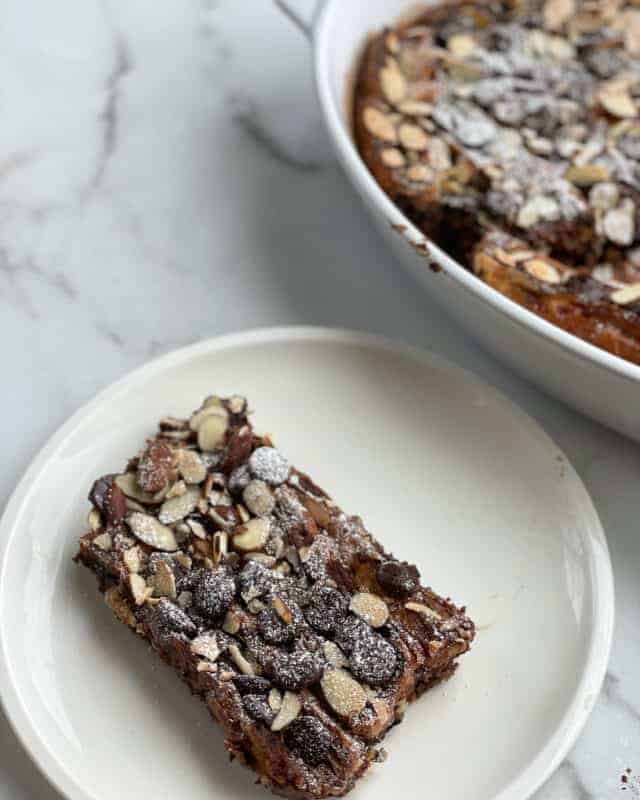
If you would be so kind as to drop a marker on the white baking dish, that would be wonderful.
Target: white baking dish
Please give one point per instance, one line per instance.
(587, 378)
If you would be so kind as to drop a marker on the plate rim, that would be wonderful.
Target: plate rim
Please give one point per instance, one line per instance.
(601, 635)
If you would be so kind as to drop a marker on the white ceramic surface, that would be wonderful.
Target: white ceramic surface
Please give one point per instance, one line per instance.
(457, 479)
(589, 379)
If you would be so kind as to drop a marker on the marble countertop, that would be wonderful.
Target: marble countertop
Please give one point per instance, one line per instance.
(164, 177)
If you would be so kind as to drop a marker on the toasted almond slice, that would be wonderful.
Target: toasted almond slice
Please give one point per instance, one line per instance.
(542, 271)
(461, 45)
(334, 654)
(289, 710)
(190, 466)
(412, 137)
(586, 174)
(163, 582)
(630, 294)
(240, 661)
(415, 108)
(103, 541)
(151, 531)
(129, 485)
(139, 588)
(220, 546)
(379, 124)
(344, 694)
(212, 432)
(392, 157)
(209, 409)
(419, 173)
(371, 608)
(614, 97)
(178, 508)
(392, 82)
(425, 611)
(237, 404)
(282, 610)
(131, 558)
(94, 520)
(231, 623)
(274, 699)
(557, 12)
(251, 535)
(206, 646)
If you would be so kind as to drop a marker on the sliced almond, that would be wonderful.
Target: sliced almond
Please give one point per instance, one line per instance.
(630, 294)
(392, 82)
(415, 108)
(103, 541)
(163, 582)
(614, 97)
(586, 174)
(139, 589)
(211, 410)
(129, 485)
(542, 271)
(212, 432)
(334, 654)
(461, 45)
(344, 694)
(94, 520)
(220, 546)
(425, 611)
(419, 173)
(206, 646)
(261, 558)
(253, 535)
(184, 560)
(237, 404)
(557, 12)
(231, 623)
(131, 558)
(289, 710)
(151, 531)
(632, 33)
(240, 661)
(379, 124)
(190, 466)
(258, 498)
(176, 489)
(120, 606)
(197, 529)
(178, 508)
(371, 608)
(274, 698)
(282, 610)
(392, 157)
(412, 137)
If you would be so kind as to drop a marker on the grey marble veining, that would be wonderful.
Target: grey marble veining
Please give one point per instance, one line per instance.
(164, 176)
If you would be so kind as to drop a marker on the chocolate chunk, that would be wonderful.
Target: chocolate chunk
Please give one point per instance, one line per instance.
(308, 738)
(213, 593)
(327, 608)
(372, 659)
(398, 578)
(166, 618)
(155, 466)
(269, 465)
(258, 708)
(251, 684)
(295, 670)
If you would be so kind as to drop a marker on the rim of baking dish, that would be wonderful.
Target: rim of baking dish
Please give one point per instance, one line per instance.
(321, 37)
(597, 657)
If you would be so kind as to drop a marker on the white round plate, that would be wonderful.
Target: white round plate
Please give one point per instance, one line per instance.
(444, 470)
